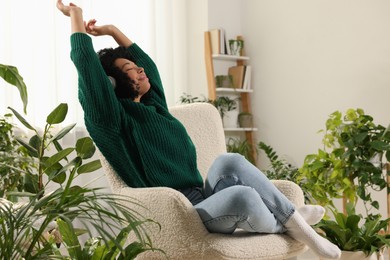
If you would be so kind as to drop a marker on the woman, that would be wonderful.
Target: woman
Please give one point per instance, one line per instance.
(148, 147)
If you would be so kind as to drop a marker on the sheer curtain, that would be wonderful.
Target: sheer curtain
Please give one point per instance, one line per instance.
(37, 43)
(35, 39)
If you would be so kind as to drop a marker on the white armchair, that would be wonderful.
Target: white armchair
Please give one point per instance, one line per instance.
(183, 235)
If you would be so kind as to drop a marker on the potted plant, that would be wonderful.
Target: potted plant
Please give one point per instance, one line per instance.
(236, 46)
(349, 166)
(357, 240)
(227, 107)
(43, 211)
(224, 81)
(245, 120)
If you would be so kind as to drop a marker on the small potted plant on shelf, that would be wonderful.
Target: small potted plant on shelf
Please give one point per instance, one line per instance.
(245, 120)
(349, 167)
(224, 81)
(228, 108)
(236, 46)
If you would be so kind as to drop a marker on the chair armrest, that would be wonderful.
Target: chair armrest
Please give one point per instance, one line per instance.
(292, 191)
(167, 206)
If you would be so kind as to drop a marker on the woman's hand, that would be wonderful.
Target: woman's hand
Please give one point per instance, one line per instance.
(95, 30)
(76, 15)
(108, 29)
(67, 9)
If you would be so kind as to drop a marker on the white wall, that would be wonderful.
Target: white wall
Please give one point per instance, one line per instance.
(197, 25)
(311, 58)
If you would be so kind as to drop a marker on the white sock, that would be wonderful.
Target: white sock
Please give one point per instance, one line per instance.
(312, 214)
(298, 229)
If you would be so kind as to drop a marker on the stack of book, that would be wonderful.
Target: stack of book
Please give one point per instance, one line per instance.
(218, 41)
(241, 75)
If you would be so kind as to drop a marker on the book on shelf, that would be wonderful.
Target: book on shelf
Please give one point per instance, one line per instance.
(247, 77)
(218, 41)
(238, 75)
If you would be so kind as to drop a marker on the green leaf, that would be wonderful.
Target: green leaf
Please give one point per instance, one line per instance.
(57, 157)
(35, 142)
(70, 239)
(32, 151)
(58, 114)
(62, 133)
(31, 183)
(132, 250)
(22, 120)
(85, 147)
(74, 163)
(59, 178)
(379, 145)
(57, 146)
(11, 75)
(89, 167)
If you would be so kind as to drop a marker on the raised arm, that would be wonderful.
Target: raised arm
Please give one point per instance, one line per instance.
(110, 30)
(76, 16)
(96, 95)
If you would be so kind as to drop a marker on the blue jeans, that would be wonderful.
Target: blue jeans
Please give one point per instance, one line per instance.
(239, 195)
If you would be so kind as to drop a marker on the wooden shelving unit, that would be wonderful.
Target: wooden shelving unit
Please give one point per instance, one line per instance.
(213, 91)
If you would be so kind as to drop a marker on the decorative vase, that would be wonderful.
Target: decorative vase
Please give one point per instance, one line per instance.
(230, 119)
(236, 47)
(245, 120)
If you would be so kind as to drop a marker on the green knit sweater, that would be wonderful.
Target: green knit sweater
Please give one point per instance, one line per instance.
(143, 142)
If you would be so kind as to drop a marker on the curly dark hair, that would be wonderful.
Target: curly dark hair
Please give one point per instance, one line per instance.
(125, 87)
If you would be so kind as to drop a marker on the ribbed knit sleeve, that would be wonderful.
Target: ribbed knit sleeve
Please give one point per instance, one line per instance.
(96, 94)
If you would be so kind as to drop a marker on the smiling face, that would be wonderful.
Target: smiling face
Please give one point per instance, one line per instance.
(136, 74)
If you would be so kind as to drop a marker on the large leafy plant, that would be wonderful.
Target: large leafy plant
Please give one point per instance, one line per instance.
(350, 166)
(351, 163)
(52, 210)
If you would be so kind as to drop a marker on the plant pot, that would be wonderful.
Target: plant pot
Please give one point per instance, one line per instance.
(245, 120)
(224, 81)
(230, 119)
(236, 47)
(358, 255)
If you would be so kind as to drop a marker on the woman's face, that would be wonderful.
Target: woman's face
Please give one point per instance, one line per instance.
(136, 74)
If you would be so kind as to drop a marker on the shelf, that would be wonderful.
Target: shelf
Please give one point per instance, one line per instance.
(244, 94)
(229, 57)
(239, 129)
(234, 90)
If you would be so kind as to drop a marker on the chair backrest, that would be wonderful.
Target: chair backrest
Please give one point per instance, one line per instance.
(204, 125)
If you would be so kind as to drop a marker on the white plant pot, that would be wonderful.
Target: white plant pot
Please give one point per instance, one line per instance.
(349, 255)
(230, 119)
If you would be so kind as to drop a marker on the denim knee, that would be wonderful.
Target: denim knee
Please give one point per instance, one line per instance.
(230, 159)
(238, 207)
